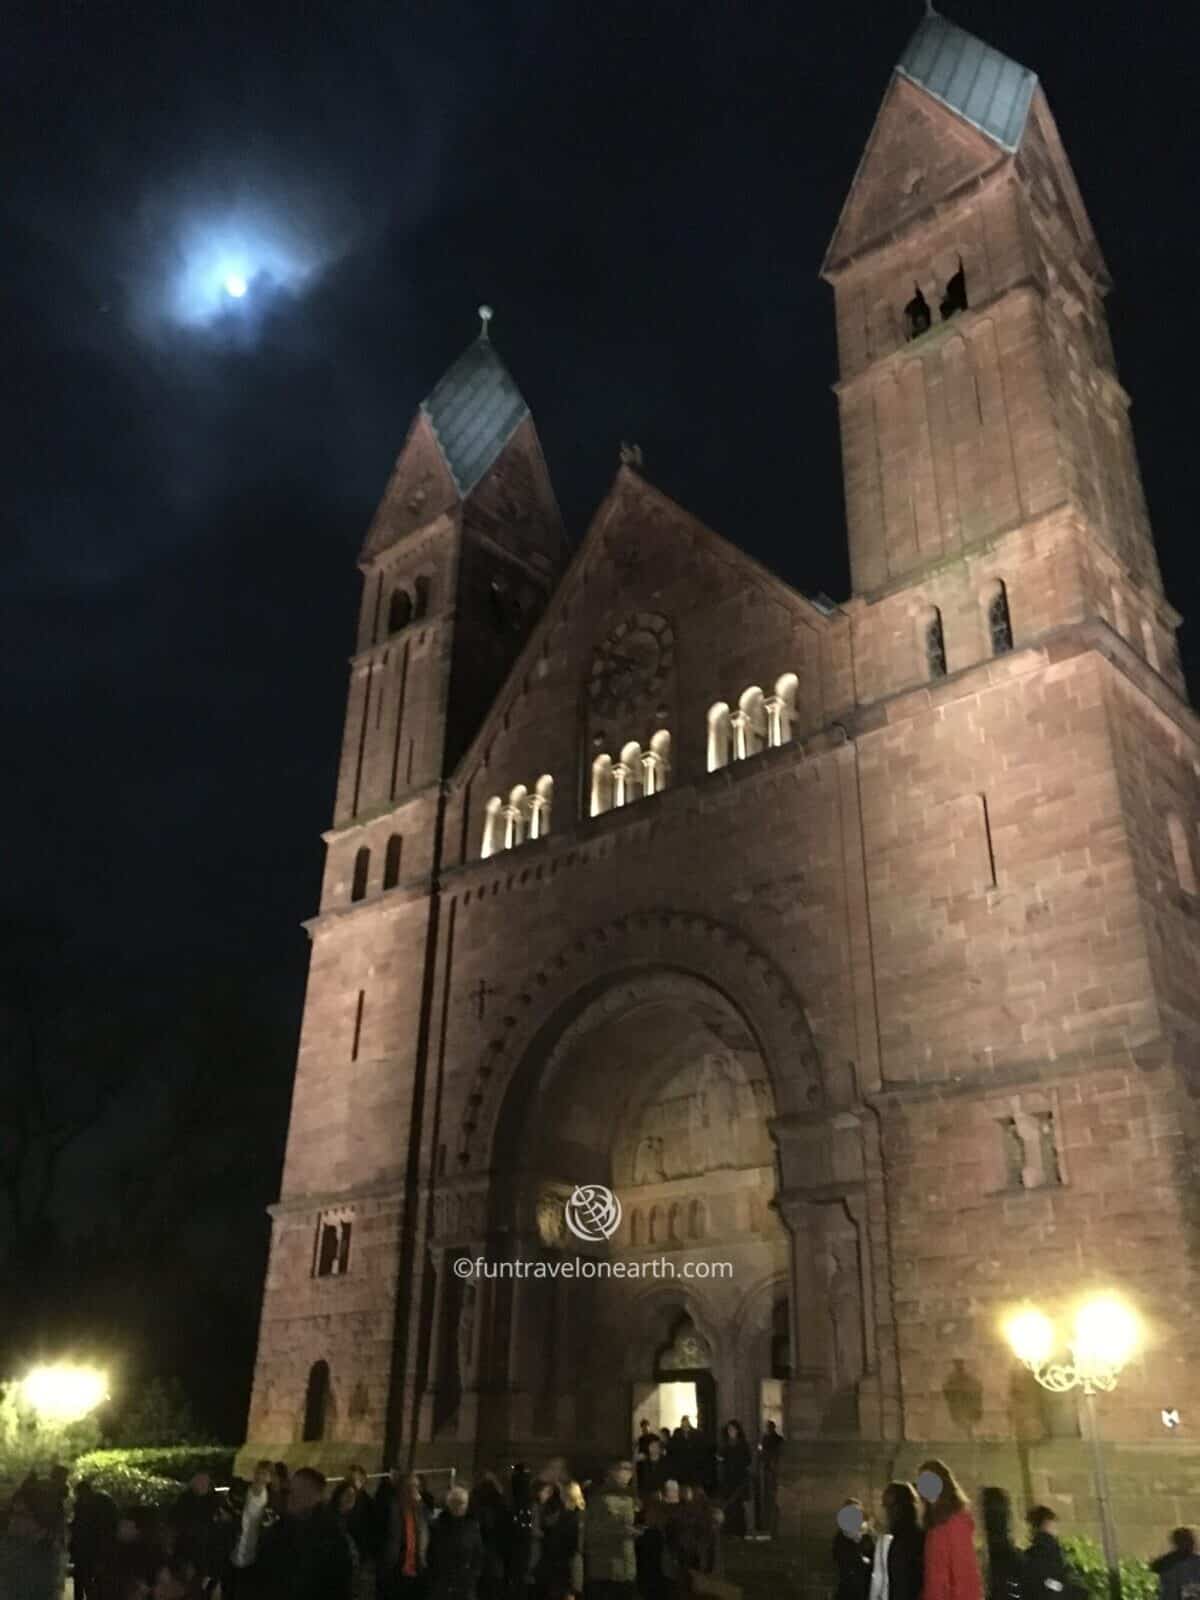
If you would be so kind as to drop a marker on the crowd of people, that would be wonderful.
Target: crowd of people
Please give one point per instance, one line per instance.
(926, 1549)
(650, 1523)
(649, 1528)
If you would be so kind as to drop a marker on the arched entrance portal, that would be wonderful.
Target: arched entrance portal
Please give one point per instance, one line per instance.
(656, 1088)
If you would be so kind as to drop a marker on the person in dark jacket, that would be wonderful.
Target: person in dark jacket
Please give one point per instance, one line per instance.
(898, 1569)
(455, 1551)
(1045, 1574)
(653, 1469)
(735, 1485)
(93, 1532)
(684, 1453)
(853, 1552)
(31, 1565)
(404, 1528)
(134, 1556)
(199, 1526)
(556, 1553)
(698, 1520)
(1179, 1570)
(361, 1519)
(1183, 1545)
(490, 1510)
(1004, 1561)
(306, 1555)
(770, 1448)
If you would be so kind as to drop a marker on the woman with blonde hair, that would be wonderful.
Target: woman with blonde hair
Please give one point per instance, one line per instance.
(557, 1565)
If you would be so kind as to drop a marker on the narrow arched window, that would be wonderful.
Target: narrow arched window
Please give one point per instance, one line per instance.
(635, 1228)
(656, 763)
(1185, 870)
(515, 817)
(696, 1220)
(316, 1402)
(999, 622)
(400, 610)
(675, 1224)
(602, 785)
(749, 724)
(781, 710)
(421, 609)
(540, 803)
(391, 861)
(493, 835)
(720, 736)
(362, 867)
(656, 1225)
(627, 776)
(934, 641)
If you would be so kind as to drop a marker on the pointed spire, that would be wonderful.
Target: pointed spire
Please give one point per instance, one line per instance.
(474, 410)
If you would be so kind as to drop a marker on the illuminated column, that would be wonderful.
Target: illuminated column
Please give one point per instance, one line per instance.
(620, 777)
(652, 772)
(512, 826)
(776, 721)
(739, 721)
(539, 819)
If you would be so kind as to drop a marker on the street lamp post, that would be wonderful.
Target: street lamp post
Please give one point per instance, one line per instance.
(1105, 1336)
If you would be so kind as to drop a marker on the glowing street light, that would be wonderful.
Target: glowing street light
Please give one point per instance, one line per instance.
(64, 1394)
(1105, 1337)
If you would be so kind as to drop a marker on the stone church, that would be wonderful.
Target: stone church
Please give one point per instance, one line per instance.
(853, 946)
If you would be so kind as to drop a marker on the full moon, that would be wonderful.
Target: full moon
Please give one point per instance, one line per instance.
(235, 285)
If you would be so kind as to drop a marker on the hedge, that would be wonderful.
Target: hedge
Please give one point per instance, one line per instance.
(1086, 1559)
(153, 1477)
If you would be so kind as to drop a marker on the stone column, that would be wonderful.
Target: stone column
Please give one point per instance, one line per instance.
(476, 1307)
(812, 1357)
(739, 721)
(777, 732)
(539, 808)
(651, 772)
(437, 1256)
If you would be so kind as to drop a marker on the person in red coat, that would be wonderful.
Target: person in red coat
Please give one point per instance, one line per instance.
(951, 1570)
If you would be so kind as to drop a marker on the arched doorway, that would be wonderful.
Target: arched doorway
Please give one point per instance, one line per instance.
(656, 1087)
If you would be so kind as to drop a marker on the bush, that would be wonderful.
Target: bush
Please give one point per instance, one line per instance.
(153, 1477)
(1086, 1558)
(155, 1413)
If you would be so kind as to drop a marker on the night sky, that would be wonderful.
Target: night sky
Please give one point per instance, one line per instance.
(644, 193)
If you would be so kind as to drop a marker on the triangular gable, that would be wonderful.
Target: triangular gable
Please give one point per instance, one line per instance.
(918, 153)
(419, 490)
(633, 512)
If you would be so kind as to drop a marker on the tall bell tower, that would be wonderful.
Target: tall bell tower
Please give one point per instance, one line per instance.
(458, 561)
(978, 395)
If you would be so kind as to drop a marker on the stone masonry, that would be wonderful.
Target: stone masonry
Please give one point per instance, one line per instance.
(856, 945)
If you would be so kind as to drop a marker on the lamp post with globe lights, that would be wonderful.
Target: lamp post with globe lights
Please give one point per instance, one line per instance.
(1103, 1340)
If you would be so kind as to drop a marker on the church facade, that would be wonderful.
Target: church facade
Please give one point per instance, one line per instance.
(852, 946)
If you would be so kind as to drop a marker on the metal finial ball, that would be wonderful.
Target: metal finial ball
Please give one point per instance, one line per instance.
(486, 314)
